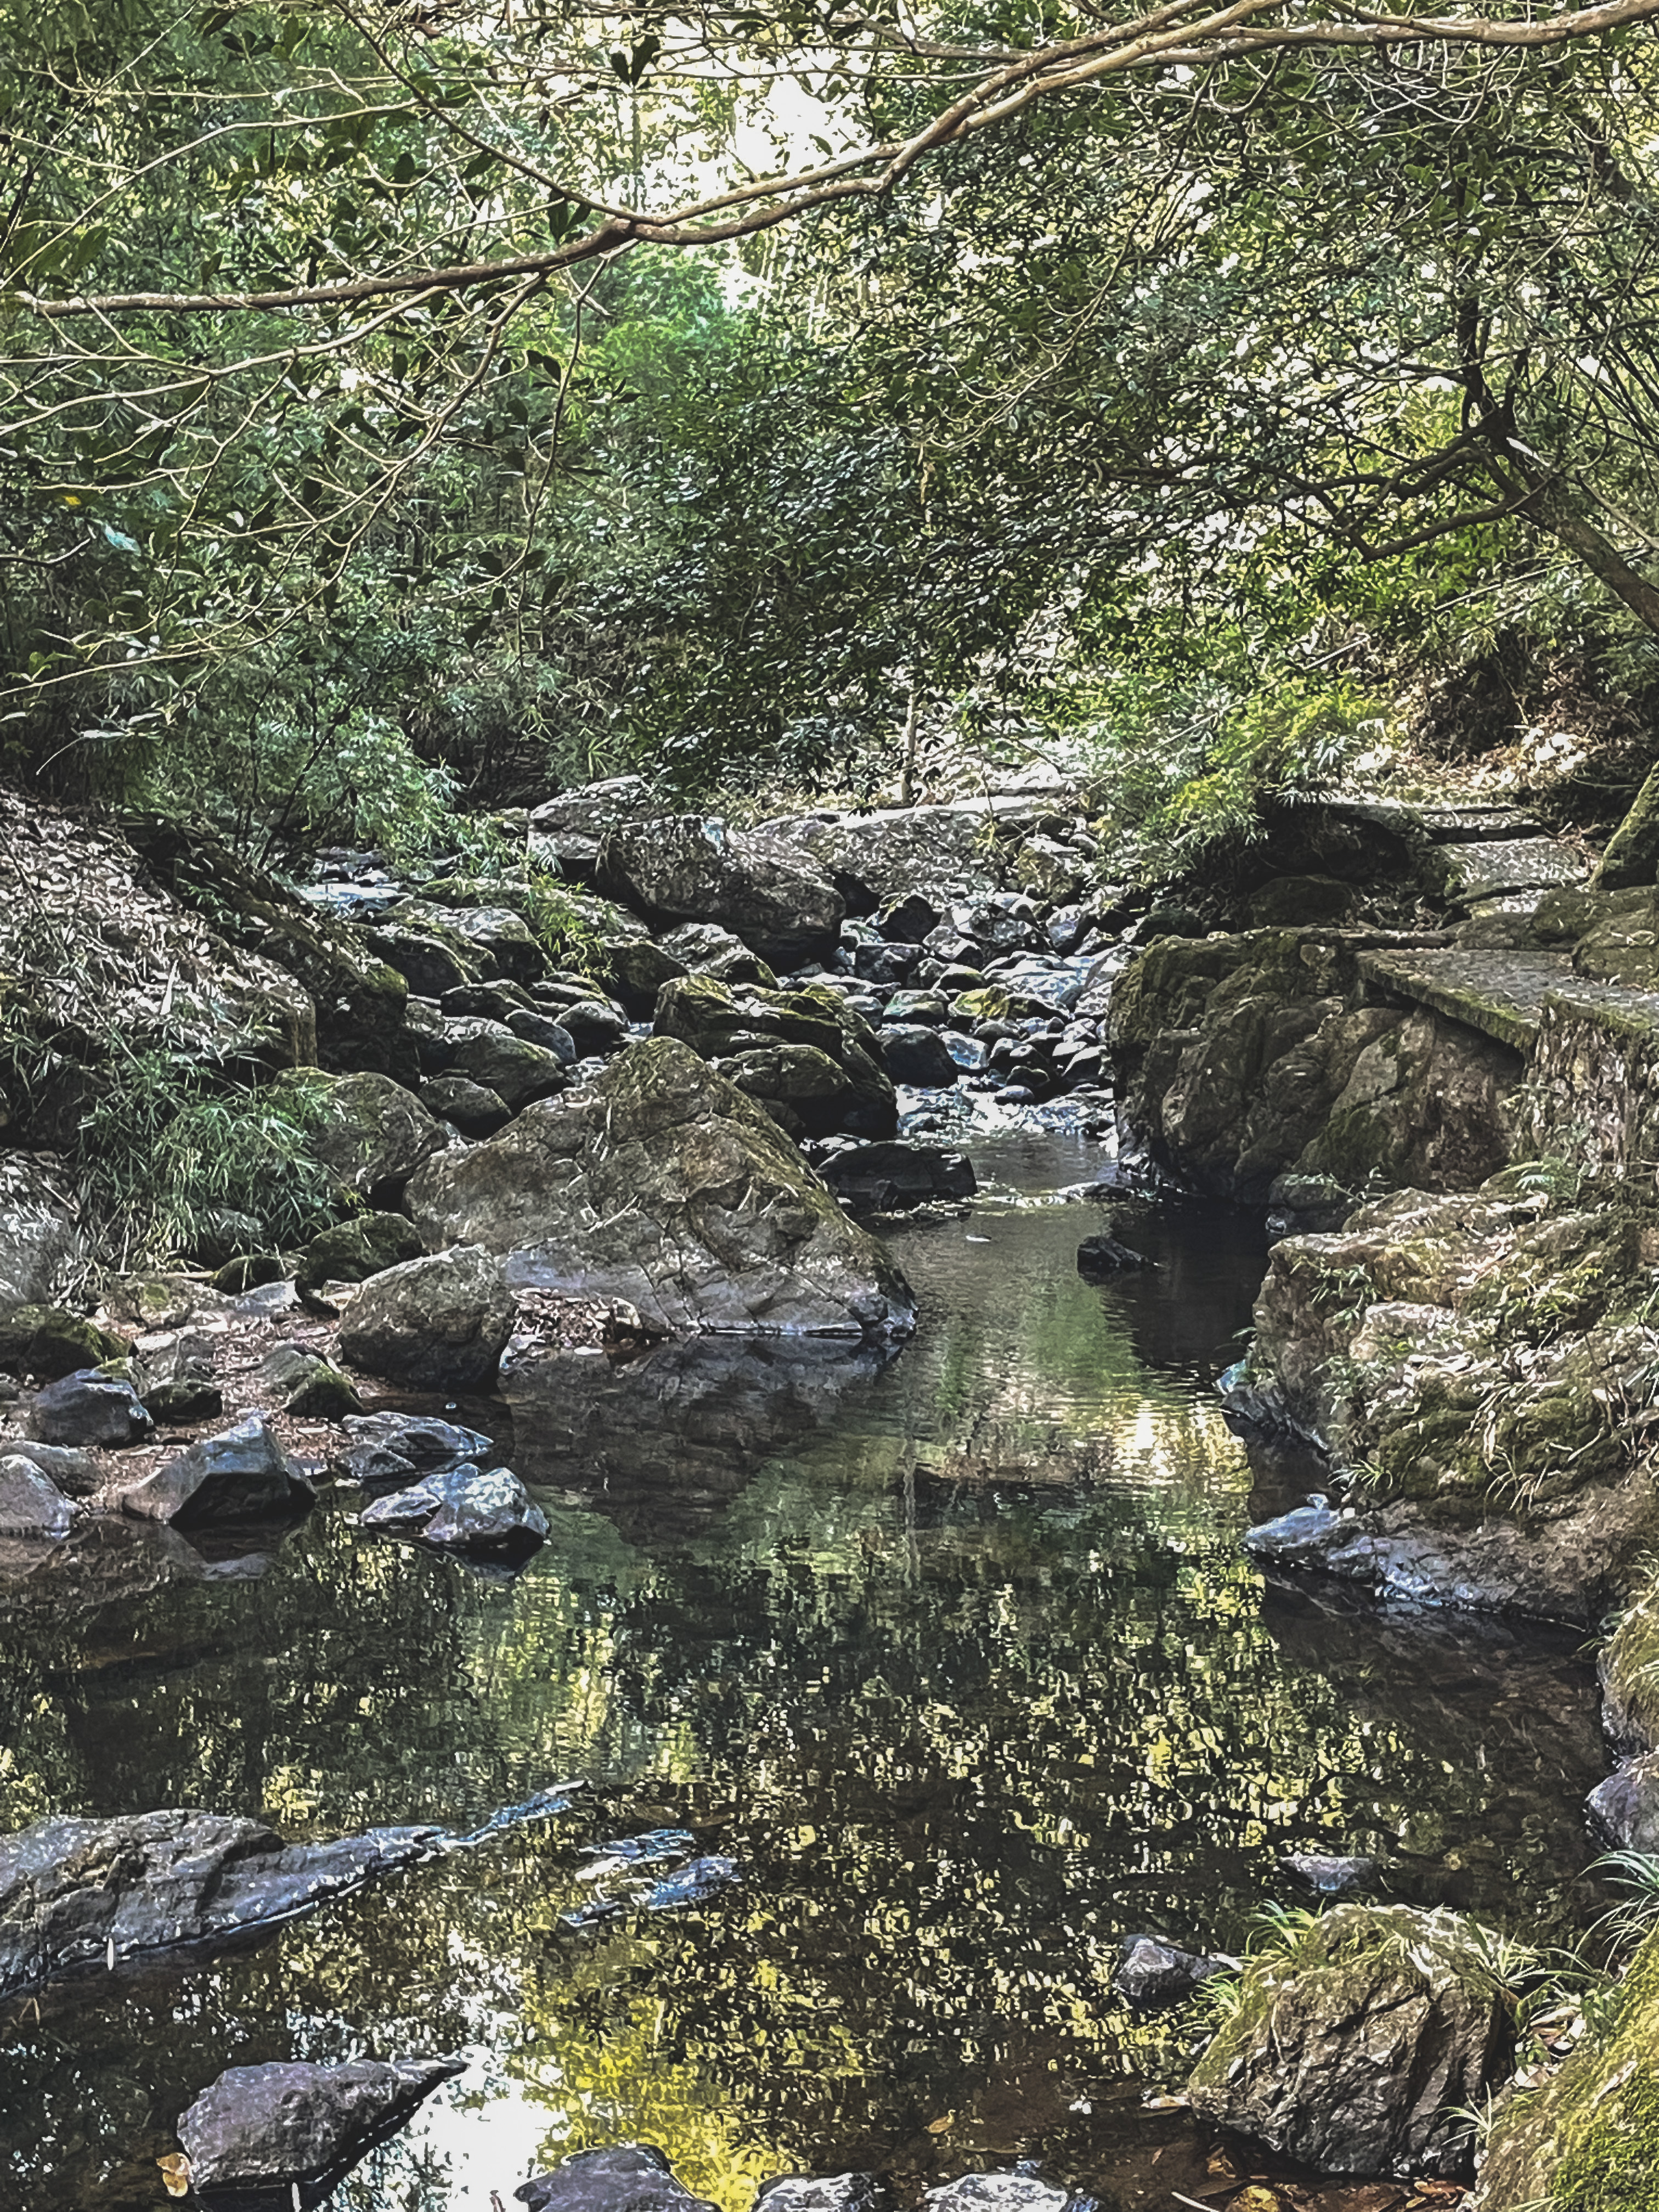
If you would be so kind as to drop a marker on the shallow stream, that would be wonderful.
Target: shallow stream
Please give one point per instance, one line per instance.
(955, 1654)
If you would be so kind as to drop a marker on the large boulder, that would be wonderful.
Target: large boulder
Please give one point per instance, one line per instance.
(662, 1184)
(442, 1321)
(749, 1031)
(1247, 1058)
(351, 1251)
(879, 858)
(367, 1129)
(689, 867)
(293, 2122)
(243, 1474)
(567, 832)
(42, 1252)
(77, 1893)
(1359, 2043)
(1481, 1356)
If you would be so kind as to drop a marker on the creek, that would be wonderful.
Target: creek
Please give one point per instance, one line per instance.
(954, 1652)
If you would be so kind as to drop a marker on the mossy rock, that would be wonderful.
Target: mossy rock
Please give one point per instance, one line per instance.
(49, 1342)
(354, 1250)
(991, 1003)
(1356, 2039)
(1588, 2140)
(250, 1271)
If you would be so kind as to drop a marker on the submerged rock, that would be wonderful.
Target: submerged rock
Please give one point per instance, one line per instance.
(1104, 1256)
(628, 2177)
(79, 1894)
(87, 1408)
(243, 1474)
(295, 2121)
(443, 1322)
(663, 1185)
(464, 1511)
(1358, 2046)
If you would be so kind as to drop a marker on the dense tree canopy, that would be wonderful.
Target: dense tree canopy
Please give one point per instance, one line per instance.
(365, 410)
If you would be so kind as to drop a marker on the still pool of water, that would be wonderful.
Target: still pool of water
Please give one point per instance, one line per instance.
(956, 1653)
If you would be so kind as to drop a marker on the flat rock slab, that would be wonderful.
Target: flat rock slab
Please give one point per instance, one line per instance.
(1466, 872)
(1500, 994)
(298, 2122)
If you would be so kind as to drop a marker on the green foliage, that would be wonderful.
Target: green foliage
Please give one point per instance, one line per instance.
(173, 1163)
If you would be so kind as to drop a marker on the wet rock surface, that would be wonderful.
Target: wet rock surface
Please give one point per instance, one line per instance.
(622, 2178)
(78, 1893)
(1153, 1973)
(87, 1408)
(297, 2121)
(243, 1474)
(462, 1509)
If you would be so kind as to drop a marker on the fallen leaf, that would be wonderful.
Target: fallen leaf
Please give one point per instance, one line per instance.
(938, 2127)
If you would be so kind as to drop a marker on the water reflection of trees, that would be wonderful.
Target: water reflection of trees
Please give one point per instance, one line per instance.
(966, 1706)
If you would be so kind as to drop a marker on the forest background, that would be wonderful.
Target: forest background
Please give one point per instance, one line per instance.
(405, 411)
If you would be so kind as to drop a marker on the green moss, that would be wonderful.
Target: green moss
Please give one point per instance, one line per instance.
(1589, 2141)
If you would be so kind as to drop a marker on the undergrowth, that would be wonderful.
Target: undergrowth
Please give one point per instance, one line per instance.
(174, 1162)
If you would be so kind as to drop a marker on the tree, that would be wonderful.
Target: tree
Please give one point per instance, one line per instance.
(301, 301)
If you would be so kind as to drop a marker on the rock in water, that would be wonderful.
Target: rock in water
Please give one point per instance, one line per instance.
(1331, 1876)
(442, 1321)
(1104, 1256)
(75, 1894)
(663, 1185)
(463, 1511)
(298, 2123)
(242, 1475)
(628, 2177)
(829, 2192)
(1354, 2046)
(1624, 1808)
(1152, 1972)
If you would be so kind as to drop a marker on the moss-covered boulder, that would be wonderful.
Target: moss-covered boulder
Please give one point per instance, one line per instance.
(1588, 2140)
(1358, 2042)
(663, 1184)
(354, 1250)
(368, 1130)
(50, 1342)
(727, 1023)
(1248, 1058)
(1480, 1364)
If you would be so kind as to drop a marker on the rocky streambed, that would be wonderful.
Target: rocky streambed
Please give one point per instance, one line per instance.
(764, 1376)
